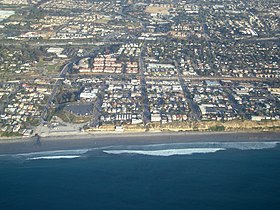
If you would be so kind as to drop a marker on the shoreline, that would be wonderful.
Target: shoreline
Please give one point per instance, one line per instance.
(50, 143)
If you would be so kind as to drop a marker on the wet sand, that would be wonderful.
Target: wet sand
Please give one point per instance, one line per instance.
(91, 141)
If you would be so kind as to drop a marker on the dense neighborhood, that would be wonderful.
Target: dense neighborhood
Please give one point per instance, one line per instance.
(73, 66)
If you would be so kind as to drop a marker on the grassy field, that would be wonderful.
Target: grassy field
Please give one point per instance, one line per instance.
(70, 118)
(50, 67)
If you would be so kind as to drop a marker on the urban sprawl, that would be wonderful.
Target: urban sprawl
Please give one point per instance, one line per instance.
(85, 66)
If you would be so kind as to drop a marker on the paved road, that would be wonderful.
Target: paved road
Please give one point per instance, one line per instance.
(214, 78)
(57, 84)
(58, 43)
(201, 78)
(146, 110)
(97, 109)
(195, 113)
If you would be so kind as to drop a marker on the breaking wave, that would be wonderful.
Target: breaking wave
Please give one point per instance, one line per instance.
(54, 157)
(51, 155)
(167, 152)
(163, 149)
(226, 145)
(187, 148)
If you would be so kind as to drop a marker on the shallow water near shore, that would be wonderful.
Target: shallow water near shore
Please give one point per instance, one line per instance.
(201, 175)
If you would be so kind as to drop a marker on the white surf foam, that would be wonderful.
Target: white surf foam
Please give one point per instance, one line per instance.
(54, 157)
(226, 145)
(250, 145)
(167, 152)
(51, 155)
(55, 153)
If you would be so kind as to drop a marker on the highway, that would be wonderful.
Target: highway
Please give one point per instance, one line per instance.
(57, 43)
(169, 78)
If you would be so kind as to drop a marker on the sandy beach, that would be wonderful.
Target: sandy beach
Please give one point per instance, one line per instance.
(91, 141)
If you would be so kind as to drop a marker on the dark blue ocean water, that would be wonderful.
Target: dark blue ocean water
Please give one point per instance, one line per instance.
(227, 179)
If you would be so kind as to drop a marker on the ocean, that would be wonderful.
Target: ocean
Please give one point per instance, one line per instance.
(213, 175)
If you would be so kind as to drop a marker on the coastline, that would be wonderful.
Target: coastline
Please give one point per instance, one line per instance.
(27, 145)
